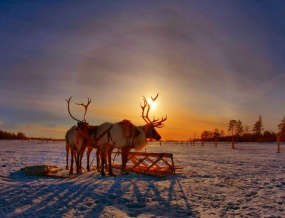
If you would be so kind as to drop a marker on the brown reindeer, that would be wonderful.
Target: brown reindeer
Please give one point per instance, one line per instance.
(92, 132)
(76, 138)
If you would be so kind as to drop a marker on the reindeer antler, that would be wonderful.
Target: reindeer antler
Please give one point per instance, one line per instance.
(145, 117)
(68, 101)
(153, 99)
(86, 107)
(155, 122)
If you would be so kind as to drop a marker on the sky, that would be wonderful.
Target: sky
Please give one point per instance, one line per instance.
(210, 62)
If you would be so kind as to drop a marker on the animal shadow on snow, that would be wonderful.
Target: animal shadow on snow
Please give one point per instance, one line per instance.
(139, 194)
(90, 195)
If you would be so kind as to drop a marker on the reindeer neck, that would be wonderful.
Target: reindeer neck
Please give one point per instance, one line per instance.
(140, 141)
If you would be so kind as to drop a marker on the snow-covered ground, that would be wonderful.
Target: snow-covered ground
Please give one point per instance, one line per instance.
(217, 182)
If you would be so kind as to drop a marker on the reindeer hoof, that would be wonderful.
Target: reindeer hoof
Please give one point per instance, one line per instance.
(70, 172)
(102, 173)
(112, 174)
(67, 168)
(124, 172)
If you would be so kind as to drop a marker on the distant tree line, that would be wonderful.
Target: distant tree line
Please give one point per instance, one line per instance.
(239, 133)
(11, 136)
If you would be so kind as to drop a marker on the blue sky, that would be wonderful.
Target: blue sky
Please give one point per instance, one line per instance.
(211, 61)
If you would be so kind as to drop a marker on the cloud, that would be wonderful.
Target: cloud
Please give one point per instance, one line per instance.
(207, 60)
(5, 126)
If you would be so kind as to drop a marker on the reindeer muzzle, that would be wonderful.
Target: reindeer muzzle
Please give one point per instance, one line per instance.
(157, 137)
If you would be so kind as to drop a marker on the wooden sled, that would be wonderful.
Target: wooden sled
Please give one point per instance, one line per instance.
(152, 164)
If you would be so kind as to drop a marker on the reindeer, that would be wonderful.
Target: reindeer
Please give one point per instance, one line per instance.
(92, 131)
(125, 136)
(76, 138)
(93, 143)
(111, 135)
(146, 131)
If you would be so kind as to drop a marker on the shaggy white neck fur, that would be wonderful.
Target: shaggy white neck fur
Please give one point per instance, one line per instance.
(140, 140)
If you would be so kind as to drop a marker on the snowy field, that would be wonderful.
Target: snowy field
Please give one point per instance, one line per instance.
(217, 182)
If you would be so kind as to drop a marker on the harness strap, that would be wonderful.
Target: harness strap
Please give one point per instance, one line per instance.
(110, 136)
(107, 131)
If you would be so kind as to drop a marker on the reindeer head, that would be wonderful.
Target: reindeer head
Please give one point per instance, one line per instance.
(82, 125)
(149, 127)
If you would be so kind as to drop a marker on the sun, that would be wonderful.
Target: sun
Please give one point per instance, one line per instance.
(151, 103)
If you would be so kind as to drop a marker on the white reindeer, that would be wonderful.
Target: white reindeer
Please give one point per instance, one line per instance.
(76, 138)
(147, 131)
(93, 143)
(111, 135)
(126, 136)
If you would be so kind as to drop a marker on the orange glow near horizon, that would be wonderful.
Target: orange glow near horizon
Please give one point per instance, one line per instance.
(183, 122)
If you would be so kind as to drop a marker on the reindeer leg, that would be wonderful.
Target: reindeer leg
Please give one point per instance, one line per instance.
(89, 149)
(82, 150)
(76, 161)
(125, 152)
(79, 170)
(67, 154)
(110, 163)
(71, 164)
(103, 160)
(98, 159)
(80, 161)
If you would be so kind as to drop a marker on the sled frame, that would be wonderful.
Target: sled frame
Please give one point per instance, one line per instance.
(152, 164)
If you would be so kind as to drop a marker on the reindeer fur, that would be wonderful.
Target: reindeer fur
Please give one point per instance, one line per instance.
(145, 132)
(119, 135)
(74, 139)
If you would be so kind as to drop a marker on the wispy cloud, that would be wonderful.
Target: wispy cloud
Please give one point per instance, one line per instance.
(208, 61)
